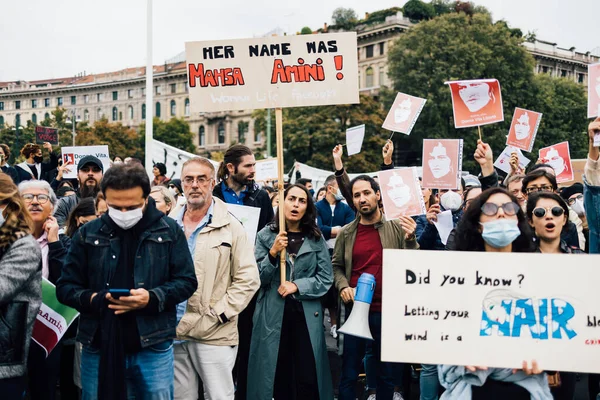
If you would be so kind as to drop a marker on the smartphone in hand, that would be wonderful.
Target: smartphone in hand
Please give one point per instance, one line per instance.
(118, 293)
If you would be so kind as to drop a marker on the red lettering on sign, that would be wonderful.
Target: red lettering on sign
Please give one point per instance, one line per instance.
(215, 77)
(297, 73)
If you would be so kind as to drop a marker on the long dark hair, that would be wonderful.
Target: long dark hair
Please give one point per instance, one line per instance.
(234, 156)
(468, 234)
(308, 223)
(85, 208)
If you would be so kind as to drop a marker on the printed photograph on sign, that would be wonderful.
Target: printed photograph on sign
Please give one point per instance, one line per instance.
(503, 160)
(559, 157)
(523, 129)
(593, 90)
(272, 72)
(401, 193)
(71, 155)
(476, 102)
(404, 113)
(442, 163)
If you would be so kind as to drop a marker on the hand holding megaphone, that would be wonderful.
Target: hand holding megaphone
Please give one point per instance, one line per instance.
(347, 295)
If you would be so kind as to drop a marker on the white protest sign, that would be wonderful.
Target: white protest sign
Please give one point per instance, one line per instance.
(265, 170)
(593, 90)
(496, 310)
(271, 72)
(354, 139)
(503, 160)
(248, 216)
(71, 155)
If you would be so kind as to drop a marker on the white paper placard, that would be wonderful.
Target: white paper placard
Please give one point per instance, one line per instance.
(503, 160)
(265, 170)
(71, 155)
(248, 216)
(354, 139)
(496, 310)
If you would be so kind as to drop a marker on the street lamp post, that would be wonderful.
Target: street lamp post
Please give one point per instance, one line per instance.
(16, 129)
(73, 121)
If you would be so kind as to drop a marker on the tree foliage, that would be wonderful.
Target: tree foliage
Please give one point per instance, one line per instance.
(417, 10)
(344, 18)
(121, 140)
(457, 46)
(306, 31)
(176, 132)
(311, 133)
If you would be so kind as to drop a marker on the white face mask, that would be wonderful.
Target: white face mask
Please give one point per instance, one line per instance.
(451, 200)
(126, 219)
(578, 208)
(173, 191)
(2, 219)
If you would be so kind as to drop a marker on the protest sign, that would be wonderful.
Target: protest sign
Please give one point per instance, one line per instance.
(53, 319)
(523, 129)
(496, 310)
(71, 155)
(401, 193)
(272, 72)
(44, 134)
(248, 216)
(476, 102)
(503, 160)
(593, 90)
(173, 158)
(266, 170)
(442, 163)
(404, 113)
(559, 157)
(578, 171)
(354, 139)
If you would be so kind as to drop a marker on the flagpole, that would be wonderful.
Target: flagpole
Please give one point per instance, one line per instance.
(149, 87)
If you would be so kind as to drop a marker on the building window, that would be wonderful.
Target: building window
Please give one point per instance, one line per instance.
(46, 116)
(369, 79)
(17, 104)
(201, 136)
(359, 81)
(187, 107)
(115, 96)
(99, 113)
(157, 113)
(1, 106)
(580, 78)
(115, 113)
(34, 103)
(173, 88)
(46, 102)
(143, 111)
(86, 98)
(157, 90)
(381, 77)
(1, 121)
(99, 97)
(242, 130)
(86, 115)
(358, 54)
(73, 100)
(130, 112)
(130, 93)
(381, 48)
(369, 51)
(563, 73)
(173, 108)
(257, 133)
(120, 115)
(544, 69)
(59, 101)
(34, 118)
(221, 133)
(187, 86)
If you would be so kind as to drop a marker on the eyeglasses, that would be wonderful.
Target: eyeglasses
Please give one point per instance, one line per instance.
(534, 189)
(491, 209)
(540, 212)
(41, 198)
(188, 180)
(571, 201)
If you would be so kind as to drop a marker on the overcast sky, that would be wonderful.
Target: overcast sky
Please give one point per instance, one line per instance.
(42, 39)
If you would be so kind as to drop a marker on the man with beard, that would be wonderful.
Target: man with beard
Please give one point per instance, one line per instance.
(236, 186)
(89, 175)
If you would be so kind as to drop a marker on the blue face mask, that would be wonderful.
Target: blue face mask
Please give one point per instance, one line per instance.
(500, 233)
(312, 192)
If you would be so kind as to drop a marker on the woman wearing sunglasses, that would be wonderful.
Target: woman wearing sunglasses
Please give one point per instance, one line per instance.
(494, 222)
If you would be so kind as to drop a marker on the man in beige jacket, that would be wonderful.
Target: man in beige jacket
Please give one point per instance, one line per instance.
(227, 279)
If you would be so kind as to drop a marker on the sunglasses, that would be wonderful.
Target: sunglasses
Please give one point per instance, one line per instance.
(540, 212)
(491, 209)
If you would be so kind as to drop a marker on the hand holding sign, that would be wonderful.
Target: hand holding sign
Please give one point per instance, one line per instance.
(48, 146)
(594, 132)
(387, 151)
(337, 157)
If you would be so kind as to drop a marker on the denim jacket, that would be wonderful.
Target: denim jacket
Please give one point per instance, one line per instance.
(591, 203)
(163, 266)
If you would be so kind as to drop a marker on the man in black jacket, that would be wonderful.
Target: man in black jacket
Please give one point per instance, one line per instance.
(126, 272)
(33, 167)
(236, 186)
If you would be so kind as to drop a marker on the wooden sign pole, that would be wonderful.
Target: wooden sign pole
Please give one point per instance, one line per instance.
(279, 134)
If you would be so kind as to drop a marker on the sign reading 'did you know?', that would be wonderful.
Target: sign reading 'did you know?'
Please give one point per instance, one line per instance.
(271, 72)
(496, 310)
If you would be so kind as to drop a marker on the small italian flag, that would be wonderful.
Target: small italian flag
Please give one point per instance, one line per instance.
(52, 320)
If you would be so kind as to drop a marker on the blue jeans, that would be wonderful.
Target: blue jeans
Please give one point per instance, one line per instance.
(354, 352)
(149, 373)
(429, 383)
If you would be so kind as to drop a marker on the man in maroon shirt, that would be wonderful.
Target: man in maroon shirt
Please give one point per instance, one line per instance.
(358, 249)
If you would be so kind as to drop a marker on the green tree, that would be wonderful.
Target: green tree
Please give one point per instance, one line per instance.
(306, 31)
(121, 140)
(344, 18)
(176, 132)
(441, 7)
(417, 10)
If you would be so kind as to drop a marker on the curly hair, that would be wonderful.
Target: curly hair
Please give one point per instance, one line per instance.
(29, 149)
(17, 222)
(308, 223)
(468, 231)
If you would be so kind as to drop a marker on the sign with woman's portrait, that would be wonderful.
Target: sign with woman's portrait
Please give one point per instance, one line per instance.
(476, 102)
(442, 163)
